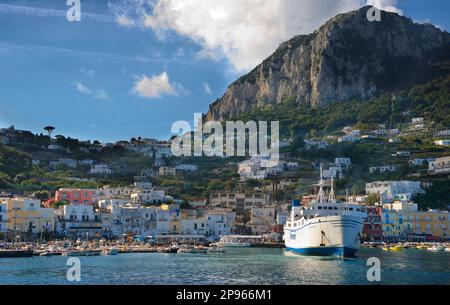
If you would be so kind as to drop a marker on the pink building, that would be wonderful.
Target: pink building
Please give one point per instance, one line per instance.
(76, 196)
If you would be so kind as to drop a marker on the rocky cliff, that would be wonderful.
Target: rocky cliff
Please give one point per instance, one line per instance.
(348, 57)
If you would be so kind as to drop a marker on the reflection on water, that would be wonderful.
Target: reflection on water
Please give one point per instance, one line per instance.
(236, 266)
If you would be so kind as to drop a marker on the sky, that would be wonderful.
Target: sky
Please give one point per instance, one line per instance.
(131, 68)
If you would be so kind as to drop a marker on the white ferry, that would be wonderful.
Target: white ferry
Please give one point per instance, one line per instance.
(326, 227)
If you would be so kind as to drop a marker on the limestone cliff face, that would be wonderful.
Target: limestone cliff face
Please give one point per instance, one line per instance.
(348, 57)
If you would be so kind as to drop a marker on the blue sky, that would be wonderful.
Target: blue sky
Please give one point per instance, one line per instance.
(131, 68)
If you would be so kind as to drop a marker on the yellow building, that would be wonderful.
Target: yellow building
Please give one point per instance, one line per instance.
(403, 219)
(431, 222)
(27, 216)
(174, 217)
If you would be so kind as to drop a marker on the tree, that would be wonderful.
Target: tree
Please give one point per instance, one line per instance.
(42, 195)
(49, 130)
(373, 198)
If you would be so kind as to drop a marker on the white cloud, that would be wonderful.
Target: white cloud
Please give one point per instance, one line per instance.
(244, 31)
(386, 5)
(156, 86)
(82, 88)
(125, 21)
(97, 94)
(87, 72)
(101, 95)
(207, 88)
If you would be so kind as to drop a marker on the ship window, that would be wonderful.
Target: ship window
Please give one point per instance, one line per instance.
(351, 209)
(335, 208)
(320, 208)
(330, 208)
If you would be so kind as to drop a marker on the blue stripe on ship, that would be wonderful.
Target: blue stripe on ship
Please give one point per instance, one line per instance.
(334, 222)
(326, 251)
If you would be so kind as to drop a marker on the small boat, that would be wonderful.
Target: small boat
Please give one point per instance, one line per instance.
(191, 249)
(437, 248)
(395, 248)
(447, 249)
(83, 252)
(421, 247)
(110, 251)
(215, 249)
(15, 253)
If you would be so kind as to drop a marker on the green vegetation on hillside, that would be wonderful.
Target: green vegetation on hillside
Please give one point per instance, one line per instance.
(431, 101)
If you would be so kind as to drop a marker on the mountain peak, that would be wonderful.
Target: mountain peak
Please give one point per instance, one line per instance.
(347, 57)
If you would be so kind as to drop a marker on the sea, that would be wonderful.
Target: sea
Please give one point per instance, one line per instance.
(244, 266)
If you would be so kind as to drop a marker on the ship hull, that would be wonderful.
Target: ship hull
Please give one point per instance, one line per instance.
(326, 236)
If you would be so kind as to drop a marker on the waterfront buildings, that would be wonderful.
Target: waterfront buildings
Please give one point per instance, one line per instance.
(78, 221)
(238, 201)
(262, 219)
(76, 196)
(373, 225)
(402, 219)
(26, 216)
(3, 217)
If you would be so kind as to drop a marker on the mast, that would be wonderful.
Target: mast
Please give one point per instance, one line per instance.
(332, 197)
(321, 195)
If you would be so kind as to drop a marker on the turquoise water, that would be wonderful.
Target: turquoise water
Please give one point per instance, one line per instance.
(237, 266)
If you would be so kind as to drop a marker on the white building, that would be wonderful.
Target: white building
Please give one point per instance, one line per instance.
(220, 222)
(167, 171)
(148, 196)
(194, 226)
(262, 220)
(108, 204)
(316, 144)
(292, 165)
(439, 166)
(334, 172)
(259, 167)
(186, 167)
(442, 142)
(238, 201)
(79, 221)
(343, 162)
(349, 138)
(405, 206)
(134, 220)
(100, 169)
(420, 162)
(382, 169)
(392, 188)
(3, 218)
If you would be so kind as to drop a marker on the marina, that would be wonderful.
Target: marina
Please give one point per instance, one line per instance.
(234, 266)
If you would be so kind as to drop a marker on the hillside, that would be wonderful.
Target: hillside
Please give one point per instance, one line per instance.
(430, 100)
(347, 58)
